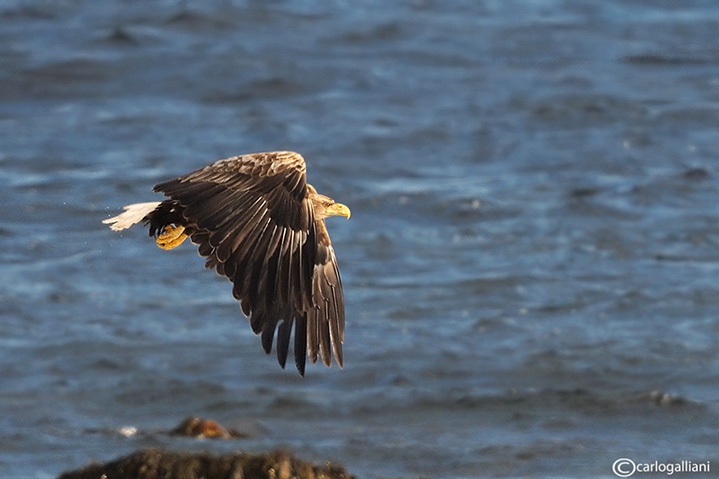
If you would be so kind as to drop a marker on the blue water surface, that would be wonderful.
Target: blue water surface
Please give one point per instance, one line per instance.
(531, 269)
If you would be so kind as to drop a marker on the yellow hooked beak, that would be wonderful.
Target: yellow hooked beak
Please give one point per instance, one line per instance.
(338, 209)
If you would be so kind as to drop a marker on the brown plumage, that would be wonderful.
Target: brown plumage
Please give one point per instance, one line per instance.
(260, 224)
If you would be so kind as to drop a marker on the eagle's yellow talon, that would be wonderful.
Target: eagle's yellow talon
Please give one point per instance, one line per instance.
(172, 237)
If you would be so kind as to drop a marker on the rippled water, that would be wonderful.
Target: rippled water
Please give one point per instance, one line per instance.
(531, 268)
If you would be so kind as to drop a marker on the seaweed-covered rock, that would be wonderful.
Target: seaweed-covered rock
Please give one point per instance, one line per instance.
(156, 464)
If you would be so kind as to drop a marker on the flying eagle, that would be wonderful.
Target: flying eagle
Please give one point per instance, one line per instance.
(260, 224)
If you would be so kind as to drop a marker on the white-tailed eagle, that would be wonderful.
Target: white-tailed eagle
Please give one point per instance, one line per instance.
(260, 224)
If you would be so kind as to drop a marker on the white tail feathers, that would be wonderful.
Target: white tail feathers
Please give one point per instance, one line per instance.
(133, 214)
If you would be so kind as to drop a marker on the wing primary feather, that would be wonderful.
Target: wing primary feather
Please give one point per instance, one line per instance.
(280, 261)
(325, 348)
(290, 270)
(268, 332)
(300, 343)
(313, 334)
(337, 325)
(284, 331)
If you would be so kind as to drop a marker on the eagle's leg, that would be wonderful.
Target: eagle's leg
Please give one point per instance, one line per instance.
(172, 237)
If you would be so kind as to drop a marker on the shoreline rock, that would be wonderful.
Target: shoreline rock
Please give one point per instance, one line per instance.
(161, 464)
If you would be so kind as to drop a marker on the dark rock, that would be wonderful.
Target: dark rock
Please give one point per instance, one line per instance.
(155, 463)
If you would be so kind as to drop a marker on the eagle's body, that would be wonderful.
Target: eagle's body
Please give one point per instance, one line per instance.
(260, 224)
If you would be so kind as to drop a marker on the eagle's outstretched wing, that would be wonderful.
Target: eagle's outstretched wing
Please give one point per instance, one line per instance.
(254, 222)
